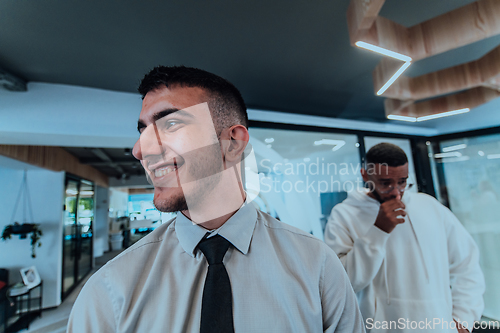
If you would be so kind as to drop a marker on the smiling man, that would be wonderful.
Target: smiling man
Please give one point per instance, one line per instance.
(411, 263)
(221, 265)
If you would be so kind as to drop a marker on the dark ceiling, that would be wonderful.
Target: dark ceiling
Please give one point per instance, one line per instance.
(114, 162)
(292, 56)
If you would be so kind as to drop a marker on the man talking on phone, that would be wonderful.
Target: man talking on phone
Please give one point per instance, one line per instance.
(412, 265)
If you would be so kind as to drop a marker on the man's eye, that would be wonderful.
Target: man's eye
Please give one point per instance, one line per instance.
(170, 124)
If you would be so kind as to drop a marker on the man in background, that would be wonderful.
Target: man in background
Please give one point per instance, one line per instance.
(220, 265)
(411, 263)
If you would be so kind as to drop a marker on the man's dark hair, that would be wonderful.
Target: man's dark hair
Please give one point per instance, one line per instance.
(224, 100)
(386, 153)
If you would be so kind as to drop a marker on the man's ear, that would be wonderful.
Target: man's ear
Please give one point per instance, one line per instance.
(234, 141)
(364, 174)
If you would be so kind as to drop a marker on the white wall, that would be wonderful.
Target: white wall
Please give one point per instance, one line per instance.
(118, 203)
(63, 115)
(46, 190)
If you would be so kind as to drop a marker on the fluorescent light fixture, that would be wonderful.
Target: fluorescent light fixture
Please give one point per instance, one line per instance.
(86, 192)
(432, 116)
(389, 53)
(455, 147)
(443, 114)
(337, 143)
(480, 153)
(269, 140)
(307, 159)
(455, 159)
(492, 156)
(402, 118)
(451, 154)
(383, 51)
(393, 78)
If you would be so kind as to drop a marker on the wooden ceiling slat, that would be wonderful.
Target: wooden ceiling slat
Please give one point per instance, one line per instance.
(360, 17)
(466, 76)
(53, 158)
(468, 99)
(457, 28)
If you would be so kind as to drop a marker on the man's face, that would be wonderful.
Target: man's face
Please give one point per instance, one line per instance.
(178, 146)
(385, 181)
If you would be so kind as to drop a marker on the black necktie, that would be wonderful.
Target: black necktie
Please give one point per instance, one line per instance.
(217, 305)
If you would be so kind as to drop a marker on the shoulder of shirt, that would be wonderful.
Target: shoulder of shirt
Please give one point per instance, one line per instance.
(446, 214)
(153, 238)
(425, 198)
(277, 226)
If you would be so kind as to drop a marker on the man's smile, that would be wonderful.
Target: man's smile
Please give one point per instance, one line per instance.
(159, 171)
(164, 171)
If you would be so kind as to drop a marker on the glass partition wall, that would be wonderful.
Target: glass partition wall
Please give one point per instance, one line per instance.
(467, 171)
(77, 232)
(303, 174)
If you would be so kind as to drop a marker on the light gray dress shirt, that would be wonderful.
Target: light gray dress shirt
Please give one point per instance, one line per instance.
(282, 280)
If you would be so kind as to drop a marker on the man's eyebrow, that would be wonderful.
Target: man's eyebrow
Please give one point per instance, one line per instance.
(389, 179)
(157, 116)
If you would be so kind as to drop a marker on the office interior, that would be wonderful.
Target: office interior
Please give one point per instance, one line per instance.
(69, 110)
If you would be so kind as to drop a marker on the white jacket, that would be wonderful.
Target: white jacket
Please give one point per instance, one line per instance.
(425, 272)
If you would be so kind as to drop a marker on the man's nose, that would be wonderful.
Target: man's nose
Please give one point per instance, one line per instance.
(136, 151)
(397, 195)
(149, 143)
(394, 193)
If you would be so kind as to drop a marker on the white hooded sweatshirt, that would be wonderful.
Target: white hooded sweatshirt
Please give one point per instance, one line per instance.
(419, 277)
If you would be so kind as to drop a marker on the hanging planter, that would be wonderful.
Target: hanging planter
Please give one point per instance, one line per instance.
(22, 230)
(26, 228)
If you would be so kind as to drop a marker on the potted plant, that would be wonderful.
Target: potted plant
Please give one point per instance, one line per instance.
(22, 230)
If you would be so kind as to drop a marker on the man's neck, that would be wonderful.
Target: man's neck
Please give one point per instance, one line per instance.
(216, 209)
(214, 223)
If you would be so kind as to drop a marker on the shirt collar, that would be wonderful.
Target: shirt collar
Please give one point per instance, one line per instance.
(238, 230)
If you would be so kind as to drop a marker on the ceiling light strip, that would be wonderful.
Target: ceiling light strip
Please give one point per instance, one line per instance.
(443, 114)
(432, 116)
(454, 159)
(450, 154)
(402, 118)
(393, 78)
(455, 147)
(381, 50)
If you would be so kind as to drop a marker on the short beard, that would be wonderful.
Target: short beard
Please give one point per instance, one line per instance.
(207, 172)
(173, 205)
(378, 197)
